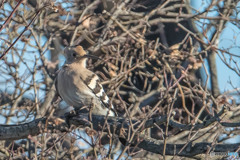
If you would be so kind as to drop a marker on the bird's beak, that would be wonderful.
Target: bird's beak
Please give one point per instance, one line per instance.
(91, 56)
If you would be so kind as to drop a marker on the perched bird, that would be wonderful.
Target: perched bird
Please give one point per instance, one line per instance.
(78, 86)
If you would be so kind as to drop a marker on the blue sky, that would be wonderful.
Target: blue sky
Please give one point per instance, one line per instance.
(230, 38)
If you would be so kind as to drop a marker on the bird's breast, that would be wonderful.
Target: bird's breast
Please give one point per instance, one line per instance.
(70, 88)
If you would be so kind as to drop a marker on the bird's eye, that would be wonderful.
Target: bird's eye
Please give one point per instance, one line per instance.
(74, 54)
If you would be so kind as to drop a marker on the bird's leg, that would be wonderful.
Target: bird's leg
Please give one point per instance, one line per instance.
(49, 114)
(56, 100)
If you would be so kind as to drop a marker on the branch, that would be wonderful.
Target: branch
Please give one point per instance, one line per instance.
(41, 125)
(10, 16)
(25, 29)
(115, 125)
(188, 150)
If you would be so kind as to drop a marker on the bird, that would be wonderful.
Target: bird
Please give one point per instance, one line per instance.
(79, 86)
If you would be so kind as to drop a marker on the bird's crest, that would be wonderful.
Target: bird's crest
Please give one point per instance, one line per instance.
(79, 50)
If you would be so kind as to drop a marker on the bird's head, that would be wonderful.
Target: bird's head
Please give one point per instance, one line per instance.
(75, 53)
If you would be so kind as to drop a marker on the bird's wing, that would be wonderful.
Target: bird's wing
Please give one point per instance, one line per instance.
(56, 79)
(93, 83)
(56, 85)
